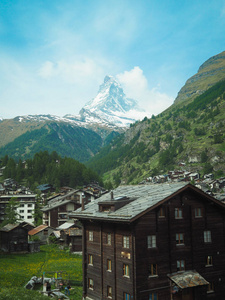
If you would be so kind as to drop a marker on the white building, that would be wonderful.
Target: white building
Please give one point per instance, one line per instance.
(25, 209)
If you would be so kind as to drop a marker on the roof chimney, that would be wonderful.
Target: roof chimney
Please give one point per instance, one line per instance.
(82, 204)
(112, 195)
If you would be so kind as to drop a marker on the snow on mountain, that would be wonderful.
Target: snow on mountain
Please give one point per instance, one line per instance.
(111, 105)
(110, 108)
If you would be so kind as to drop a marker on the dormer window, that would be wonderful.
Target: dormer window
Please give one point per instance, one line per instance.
(105, 208)
(114, 204)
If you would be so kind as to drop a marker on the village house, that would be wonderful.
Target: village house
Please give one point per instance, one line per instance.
(58, 207)
(41, 232)
(55, 213)
(14, 238)
(153, 242)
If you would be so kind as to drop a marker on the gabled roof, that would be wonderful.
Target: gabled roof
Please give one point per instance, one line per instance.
(9, 227)
(145, 198)
(37, 229)
(59, 200)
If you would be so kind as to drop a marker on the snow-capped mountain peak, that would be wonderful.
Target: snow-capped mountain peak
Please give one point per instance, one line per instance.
(110, 109)
(111, 105)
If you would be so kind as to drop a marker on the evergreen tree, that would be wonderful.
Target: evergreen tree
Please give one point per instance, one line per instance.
(37, 214)
(11, 214)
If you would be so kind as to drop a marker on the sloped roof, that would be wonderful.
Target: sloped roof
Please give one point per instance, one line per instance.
(66, 225)
(187, 279)
(143, 198)
(37, 229)
(9, 227)
(59, 200)
(56, 234)
(44, 187)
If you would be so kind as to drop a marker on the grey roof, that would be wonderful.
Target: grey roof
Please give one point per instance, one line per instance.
(66, 225)
(9, 227)
(145, 197)
(58, 201)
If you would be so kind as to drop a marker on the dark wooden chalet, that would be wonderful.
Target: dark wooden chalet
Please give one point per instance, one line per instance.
(154, 242)
(14, 238)
(55, 213)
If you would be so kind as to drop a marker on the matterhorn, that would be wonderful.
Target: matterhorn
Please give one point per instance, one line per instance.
(111, 106)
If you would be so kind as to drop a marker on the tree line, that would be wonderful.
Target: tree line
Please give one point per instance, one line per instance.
(49, 168)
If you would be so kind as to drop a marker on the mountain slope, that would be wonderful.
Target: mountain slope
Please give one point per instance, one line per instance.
(80, 137)
(209, 73)
(72, 141)
(193, 134)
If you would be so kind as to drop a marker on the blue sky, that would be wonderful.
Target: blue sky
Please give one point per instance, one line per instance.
(55, 54)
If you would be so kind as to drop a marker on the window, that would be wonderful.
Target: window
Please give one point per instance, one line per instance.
(29, 205)
(90, 283)
(153, 296)
(29, 211)
(178, 213)
(29, 217)
(151, 241)
(152, 271)
(126, 270)
(109, 265)
(126, 241)
(125, 254)
(109, 291)
(180, 265)
(90, 236)
(207, 236)
(21, 211)
(162, 213)
(45, 231)
(209, 260)
(108, 239)
(126, 296)
(179, 238)
(90, 259)
(210, 287)
(198, 212)
(21, 205)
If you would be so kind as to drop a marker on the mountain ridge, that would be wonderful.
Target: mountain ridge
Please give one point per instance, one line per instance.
(106, 119)
(189, 133)
(209, 73)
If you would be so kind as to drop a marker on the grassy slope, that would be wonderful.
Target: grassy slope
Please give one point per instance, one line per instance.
(158, 144)
(209, 73)
(17, 269)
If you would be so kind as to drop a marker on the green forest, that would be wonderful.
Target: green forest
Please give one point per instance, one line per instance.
(49, 168)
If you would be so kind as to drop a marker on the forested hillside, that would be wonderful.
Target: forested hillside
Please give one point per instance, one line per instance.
(72, 141)
(191, 132)
(48, 168)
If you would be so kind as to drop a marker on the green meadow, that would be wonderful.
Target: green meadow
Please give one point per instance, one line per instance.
(17, 269)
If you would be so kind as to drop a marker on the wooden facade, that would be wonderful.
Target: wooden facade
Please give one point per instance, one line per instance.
(14, 238)
(135, 257)
(57, 215)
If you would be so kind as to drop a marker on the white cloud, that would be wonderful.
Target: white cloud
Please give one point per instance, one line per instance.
(70, 72)
(135, 86)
